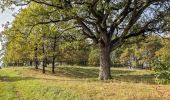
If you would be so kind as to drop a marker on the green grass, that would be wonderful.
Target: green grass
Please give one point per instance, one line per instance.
(79, 83)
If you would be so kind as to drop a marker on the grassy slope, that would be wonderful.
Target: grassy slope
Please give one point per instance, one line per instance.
(79, 83)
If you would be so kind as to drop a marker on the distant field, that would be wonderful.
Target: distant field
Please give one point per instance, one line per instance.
(79, 83)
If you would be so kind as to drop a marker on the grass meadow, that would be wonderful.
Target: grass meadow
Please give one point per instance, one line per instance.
(79, 83)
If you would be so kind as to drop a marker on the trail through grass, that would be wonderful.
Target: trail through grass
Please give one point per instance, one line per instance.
(79, 83)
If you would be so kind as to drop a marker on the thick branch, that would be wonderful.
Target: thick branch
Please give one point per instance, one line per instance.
(48, 4)
(121, 17)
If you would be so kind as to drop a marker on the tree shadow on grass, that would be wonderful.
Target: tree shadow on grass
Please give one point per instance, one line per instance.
(145, 78)
(14, 79)
(92, 73)
(78, 72)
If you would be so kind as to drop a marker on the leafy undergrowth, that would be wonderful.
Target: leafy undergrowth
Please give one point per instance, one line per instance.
(79, 83)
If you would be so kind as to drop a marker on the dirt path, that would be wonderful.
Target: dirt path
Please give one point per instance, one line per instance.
(18, 94)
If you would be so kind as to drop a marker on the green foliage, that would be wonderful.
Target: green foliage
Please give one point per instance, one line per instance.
(140, 54)
(23, 37)
(75, 52)
(94, 58)
(162, 63)
(162, 69)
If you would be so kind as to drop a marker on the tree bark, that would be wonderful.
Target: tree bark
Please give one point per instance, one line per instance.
(105, 62)
(44, 64)
(30, 63)
(44, 58)
(36, 56)
(53, 65)
(54, 56)
(36, 63)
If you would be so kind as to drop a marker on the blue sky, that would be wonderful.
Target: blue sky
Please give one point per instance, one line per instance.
(7, 16)
(4, 17)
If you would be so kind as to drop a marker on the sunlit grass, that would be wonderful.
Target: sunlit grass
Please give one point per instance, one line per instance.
(79, 83)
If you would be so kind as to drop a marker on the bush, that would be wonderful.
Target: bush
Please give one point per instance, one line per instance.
(162, 71)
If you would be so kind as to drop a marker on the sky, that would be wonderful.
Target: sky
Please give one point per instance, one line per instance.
(7, 16)
(4, 17)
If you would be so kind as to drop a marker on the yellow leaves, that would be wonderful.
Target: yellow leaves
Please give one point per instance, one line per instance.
(164, 52)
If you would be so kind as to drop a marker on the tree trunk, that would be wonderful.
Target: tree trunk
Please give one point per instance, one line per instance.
(105, 62)
(36, 59)
(44, 58)
(45, 61)
(54, 56)
(53, 65)
(44, 64)
(36, 63)
(30, 62)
